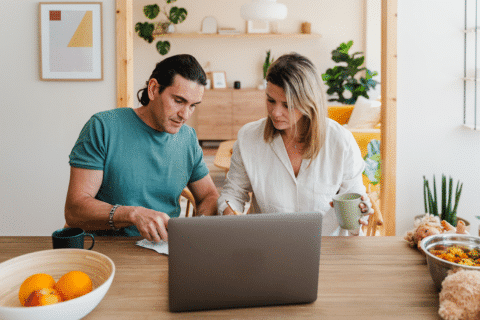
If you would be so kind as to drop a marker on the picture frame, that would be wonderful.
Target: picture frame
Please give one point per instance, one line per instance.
(71, 41)
(218, 79)
(258, 26)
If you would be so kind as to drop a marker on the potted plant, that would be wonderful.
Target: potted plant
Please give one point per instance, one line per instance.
(266, 64)
(449, 201)
(341, 79)
(145, 30)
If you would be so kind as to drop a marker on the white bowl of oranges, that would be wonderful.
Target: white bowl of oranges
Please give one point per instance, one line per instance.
(54, 284)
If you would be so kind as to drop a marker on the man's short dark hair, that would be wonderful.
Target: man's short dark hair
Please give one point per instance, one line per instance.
(165, 71)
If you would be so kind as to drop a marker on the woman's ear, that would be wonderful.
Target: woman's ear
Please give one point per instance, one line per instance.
(152, 88)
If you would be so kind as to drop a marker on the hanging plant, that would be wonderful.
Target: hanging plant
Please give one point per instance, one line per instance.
(146, 30)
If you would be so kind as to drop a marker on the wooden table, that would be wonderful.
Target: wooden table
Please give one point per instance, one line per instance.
(360, 278)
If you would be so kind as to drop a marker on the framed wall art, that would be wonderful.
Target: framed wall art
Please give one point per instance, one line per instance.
(71, 41)
(219, 80)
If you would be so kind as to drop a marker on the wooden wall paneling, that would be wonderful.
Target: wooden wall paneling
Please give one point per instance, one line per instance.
(389, 114)
(124, 53)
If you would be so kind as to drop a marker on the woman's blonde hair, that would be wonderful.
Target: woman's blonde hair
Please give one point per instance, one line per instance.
(304, 91)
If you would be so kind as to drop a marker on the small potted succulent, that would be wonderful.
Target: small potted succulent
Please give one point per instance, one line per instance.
(146, 30)
(266, 64)
(447, 209)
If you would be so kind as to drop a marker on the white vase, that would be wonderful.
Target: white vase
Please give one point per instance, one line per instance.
(263, 85)
(170, 28)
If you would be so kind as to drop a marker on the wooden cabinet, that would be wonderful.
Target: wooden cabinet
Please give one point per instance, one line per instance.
(224, 111)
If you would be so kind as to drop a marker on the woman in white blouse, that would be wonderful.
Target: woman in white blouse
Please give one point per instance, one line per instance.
(296, 159)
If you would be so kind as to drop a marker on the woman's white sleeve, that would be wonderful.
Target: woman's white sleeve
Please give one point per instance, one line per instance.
(237, 184)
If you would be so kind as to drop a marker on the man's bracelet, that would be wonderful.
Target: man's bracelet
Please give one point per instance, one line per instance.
(110, 221)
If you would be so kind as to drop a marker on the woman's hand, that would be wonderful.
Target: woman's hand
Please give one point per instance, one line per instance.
(365, 207)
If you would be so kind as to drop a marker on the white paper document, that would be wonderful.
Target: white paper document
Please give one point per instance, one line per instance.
(160, 247)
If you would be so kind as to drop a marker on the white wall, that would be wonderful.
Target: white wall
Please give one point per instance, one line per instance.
(336, 20)
(40, 121)
(430, 138)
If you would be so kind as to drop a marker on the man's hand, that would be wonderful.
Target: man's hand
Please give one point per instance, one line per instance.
(151, 224)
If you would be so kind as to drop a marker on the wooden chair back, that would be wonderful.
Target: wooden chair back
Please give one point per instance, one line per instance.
(190, 202)
(375, 222)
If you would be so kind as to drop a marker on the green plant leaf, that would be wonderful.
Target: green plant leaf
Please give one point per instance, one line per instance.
(177, 15)
(151, 11)
(163, 47)
(370, 74)
(266, 64)
(425, 194)
(344, 47)
(145, 30)
(358, 61)
(170, 1)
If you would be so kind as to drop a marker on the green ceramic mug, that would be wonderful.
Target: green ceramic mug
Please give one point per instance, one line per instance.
(70, 238)
(347, 210)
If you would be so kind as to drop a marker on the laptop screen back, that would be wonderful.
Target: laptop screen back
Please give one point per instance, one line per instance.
(243, 261)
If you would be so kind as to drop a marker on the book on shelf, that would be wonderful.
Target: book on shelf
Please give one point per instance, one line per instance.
(228, 31)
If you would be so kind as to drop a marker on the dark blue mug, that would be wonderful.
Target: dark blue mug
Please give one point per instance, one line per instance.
(70, 238)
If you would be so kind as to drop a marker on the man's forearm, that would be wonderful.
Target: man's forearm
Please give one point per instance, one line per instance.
(92, 214)
(208, 206)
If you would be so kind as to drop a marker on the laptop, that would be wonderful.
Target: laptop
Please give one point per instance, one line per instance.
(253, 260)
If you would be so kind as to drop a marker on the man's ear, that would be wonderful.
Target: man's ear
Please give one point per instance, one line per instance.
(152, 88)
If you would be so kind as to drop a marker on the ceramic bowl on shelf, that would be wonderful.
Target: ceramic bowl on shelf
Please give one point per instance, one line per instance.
(56, 263)
(439, 267)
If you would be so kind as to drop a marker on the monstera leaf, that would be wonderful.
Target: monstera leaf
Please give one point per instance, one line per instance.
(372, 162)
(163, 47)
(177, 15)
(145, 31)
(151, 11)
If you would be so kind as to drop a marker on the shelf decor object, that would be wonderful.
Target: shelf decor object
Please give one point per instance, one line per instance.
(470, 106)
(71, 41)
(218, 79)
(262, 12)
(209, 25)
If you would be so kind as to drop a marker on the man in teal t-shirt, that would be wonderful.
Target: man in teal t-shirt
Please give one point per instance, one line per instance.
(129, 166)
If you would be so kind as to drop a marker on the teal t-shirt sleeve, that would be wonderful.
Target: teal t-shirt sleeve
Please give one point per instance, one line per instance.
(200, 169)
(89, 150)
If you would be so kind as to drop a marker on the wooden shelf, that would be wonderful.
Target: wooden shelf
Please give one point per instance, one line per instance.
(240, 35)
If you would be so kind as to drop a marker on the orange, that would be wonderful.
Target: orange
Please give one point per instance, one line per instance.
(43, 297)
(34, 282)
(73, 284)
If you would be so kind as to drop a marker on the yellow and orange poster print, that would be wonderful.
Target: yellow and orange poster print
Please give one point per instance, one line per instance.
(71, 41)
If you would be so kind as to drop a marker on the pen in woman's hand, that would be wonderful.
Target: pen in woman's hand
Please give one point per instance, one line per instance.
(234, 212)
